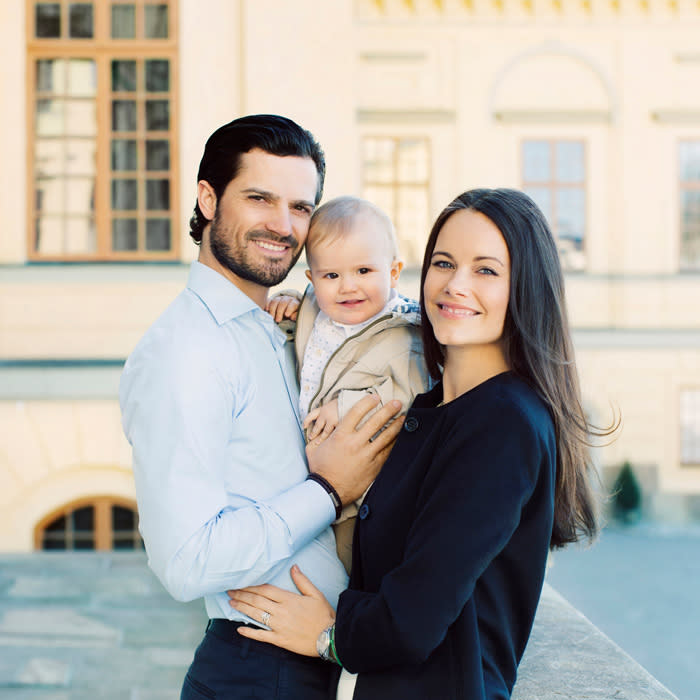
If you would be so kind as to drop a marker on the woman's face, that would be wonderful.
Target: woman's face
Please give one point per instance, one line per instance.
(467, 286)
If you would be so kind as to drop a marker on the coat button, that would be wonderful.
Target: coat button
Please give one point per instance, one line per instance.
(364, 511)
(410, 424)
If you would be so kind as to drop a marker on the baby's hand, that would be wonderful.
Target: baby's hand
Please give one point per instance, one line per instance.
(282, 306)
(324, 419)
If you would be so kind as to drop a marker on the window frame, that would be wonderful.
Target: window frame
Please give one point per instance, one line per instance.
(396, 185)
(102, 49)
(554, 185)
(102, 531)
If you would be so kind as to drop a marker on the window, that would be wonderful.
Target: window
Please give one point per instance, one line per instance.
(554, 176)
(690, 427)
(103, 172)
(101, 523)
(689, 161)
(395, 176)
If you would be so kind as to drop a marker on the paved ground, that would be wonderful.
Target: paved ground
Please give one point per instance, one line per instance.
(641, 586)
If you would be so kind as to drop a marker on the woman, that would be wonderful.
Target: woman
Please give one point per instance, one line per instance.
(490, 471)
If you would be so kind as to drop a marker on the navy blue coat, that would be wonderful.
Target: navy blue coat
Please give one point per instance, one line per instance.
(450, 548)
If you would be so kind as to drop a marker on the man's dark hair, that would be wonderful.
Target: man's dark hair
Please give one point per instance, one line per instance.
(271, 133)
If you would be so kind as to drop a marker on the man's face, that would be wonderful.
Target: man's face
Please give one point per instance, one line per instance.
(262, 218)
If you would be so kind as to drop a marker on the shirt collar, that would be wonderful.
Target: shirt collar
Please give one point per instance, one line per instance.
(223, 299)
(351, 329)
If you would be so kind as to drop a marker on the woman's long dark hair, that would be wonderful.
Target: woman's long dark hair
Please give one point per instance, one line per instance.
(537, 346)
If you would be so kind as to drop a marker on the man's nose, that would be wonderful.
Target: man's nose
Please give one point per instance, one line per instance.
(280, 221)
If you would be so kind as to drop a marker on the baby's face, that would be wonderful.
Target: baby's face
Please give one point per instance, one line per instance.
(353, 274)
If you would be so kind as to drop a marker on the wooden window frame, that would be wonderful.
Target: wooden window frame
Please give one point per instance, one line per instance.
(554, 186)
(103, 533)
(685, 186)
(102, 49)
(395, 185)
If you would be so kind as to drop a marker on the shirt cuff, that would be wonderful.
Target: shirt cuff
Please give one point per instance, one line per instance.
(306, 509)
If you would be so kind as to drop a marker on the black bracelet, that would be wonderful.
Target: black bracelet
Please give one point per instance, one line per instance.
(337, 503)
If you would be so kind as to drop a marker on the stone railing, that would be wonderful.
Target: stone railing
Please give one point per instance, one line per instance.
(568, 658)
(73, 623)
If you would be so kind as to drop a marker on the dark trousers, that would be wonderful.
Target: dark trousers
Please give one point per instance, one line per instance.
(230, 667)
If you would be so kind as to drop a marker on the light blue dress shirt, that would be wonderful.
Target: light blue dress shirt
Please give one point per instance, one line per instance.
(210, 406)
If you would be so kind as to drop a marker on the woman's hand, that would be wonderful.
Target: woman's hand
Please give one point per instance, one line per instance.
(295, 621)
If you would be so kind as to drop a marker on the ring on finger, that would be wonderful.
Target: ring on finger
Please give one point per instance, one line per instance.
(265, 618)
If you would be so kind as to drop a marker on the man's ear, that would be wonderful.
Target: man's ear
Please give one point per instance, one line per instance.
(206, 198)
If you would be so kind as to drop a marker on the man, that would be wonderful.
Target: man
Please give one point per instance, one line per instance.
(209, 405)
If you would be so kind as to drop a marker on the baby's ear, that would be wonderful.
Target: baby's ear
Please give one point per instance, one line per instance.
(308, 275)
(396, 267)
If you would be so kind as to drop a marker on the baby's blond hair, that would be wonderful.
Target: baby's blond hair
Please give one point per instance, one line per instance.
(336, 217)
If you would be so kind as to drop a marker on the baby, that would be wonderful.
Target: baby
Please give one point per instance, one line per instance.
(355, 335)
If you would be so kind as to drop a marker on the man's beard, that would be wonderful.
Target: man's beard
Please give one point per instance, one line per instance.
(234, 256)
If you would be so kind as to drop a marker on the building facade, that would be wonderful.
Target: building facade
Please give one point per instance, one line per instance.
(591, 106)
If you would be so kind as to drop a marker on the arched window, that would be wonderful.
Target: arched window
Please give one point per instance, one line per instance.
(100, 523)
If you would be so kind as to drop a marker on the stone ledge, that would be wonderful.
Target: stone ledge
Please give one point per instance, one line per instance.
(568, 658)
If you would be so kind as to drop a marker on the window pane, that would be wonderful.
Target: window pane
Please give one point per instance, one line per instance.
(378, 165)
(536, 162)
(690, 427)
(80, 236)
(51, 75)
(123, 518)
(157, 194)
(124, 155)
(48, 20)
(413, 159)
(412, 222)
(84, 543)
(157, 155)
(158, 234)
(384, 197)
(571, 214)
(157, 76)
(81, 117)
(49, 235)
(570, 161)
(58, 525)
(690, 229)
(125, 234)
(50, 117)
(80, 195)
(123, 76)
(80, 157)
(124, 195)
(82, 78)
(123, 115)
(119, 543)
(55, 544)
(49, 157)
(543, 199)
(156, 21)
(80, 20)
(690, 161)
(50, 195)
(83, 519)
(157, 115)
(123, 22)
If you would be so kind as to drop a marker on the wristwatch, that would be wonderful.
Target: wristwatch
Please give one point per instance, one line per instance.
(323, 644)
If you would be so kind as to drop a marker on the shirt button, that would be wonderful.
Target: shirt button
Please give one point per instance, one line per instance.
(410, 424)
(364, 511)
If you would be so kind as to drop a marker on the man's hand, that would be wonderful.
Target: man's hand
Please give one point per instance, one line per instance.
(324, 419)
(349, 458)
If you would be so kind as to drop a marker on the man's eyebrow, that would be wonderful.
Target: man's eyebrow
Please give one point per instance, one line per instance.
(272, 197)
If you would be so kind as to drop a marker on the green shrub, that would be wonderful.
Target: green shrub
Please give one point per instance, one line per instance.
(627, 494)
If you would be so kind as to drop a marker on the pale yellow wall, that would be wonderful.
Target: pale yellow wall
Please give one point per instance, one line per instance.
(476, 84)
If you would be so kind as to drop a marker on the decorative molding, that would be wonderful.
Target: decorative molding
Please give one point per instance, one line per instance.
(687, 57)
(676, 116)
(563, 116)
(405, 116)
(393, 56)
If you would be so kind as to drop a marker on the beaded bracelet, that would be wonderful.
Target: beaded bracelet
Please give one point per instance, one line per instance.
(328, 487)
